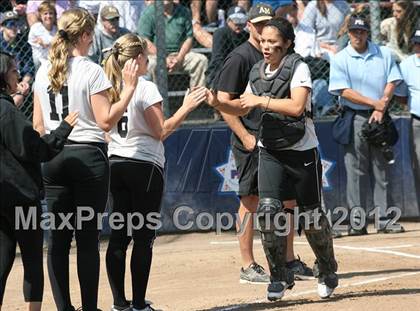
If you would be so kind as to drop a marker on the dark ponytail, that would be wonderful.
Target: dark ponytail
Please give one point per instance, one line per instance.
(285, 29)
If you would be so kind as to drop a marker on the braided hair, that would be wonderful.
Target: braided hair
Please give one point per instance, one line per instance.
(126, 47)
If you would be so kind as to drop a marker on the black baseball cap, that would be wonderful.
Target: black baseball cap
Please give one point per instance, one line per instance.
(358, 23)
(260, 12)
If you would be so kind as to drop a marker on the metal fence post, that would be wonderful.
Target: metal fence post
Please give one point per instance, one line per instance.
(161, 71)
(375, 21)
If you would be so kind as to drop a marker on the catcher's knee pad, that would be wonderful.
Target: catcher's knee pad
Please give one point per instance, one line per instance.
(272, 225)
(271, 218)
(319, 235)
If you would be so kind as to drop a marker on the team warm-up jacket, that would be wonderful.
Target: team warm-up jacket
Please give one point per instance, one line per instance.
(21, 152)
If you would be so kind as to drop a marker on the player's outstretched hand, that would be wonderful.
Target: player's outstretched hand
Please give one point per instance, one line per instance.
(72, 118)
(194, 98)
(212, 98)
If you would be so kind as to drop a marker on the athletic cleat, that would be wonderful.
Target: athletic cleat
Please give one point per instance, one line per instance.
(254, 274)
(148, 308)
(275, 290)
(326, 285)
(116, 308)
(300, 269)
(357, 232)
(395, 228)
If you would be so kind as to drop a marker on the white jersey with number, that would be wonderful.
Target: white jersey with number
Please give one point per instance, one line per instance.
(84, 79)
(132, 136)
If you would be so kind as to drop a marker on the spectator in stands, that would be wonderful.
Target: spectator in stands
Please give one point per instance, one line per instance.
(398, 30)
(41, 33)
(364, 75)
(211, 11)
(202, 35)
(280, 7)
(322, 101)
(304, 35)
(179, 40)
(130, 11)
(410, 71)
(32, 14)
(215, 18)
(107, 31)
(13, 43)
(325, 18)
(342, 35)
(91, 5)
(226, 39)
(19, 8)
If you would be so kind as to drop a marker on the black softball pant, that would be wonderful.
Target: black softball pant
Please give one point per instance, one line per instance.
(30, 243)
(136, 187)
(290, 174)
(77, 179)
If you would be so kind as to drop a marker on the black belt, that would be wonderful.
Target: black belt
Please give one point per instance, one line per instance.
(102, 146)
(362, 112)
(415, 117)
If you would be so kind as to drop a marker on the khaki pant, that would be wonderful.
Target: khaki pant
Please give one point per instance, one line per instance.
(195, 64)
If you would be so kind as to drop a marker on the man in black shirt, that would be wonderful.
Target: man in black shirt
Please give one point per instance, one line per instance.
(226, 39)
(230, 83)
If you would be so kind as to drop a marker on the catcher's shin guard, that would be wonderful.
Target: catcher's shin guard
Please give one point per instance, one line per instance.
(273, 227)
(319, 235)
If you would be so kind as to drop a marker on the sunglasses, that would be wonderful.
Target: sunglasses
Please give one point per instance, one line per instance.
(113, 20)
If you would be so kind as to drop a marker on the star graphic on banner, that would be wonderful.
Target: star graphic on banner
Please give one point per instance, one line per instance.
(229, 174)
(326, 168)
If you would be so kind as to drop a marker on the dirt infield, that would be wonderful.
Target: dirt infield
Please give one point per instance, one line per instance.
(201, 272)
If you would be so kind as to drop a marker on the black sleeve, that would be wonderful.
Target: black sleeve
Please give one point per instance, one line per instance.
(24, 142)
(233, 76)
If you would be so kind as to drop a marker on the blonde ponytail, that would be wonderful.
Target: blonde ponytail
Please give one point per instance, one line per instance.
(71, 26)
(126, 47)
(113, 71)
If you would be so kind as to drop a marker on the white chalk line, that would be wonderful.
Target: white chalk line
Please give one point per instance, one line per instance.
(375, 249)
(310, 292)
(378, 250)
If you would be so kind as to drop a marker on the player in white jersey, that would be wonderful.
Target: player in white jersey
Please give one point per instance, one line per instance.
(78, 179)
(137, 161)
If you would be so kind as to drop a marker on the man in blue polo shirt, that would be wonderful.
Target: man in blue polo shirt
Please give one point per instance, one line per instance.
(364, 75)
(410, 71)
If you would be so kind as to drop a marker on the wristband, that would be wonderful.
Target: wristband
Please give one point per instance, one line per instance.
(268, 103)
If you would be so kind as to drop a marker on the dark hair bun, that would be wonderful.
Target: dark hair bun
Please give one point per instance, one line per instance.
(285, 28)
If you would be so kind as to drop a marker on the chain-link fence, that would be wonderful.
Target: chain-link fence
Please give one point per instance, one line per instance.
(320, 30)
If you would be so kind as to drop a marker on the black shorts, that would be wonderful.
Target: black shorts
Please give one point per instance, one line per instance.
(290, 174)
(247, 168)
